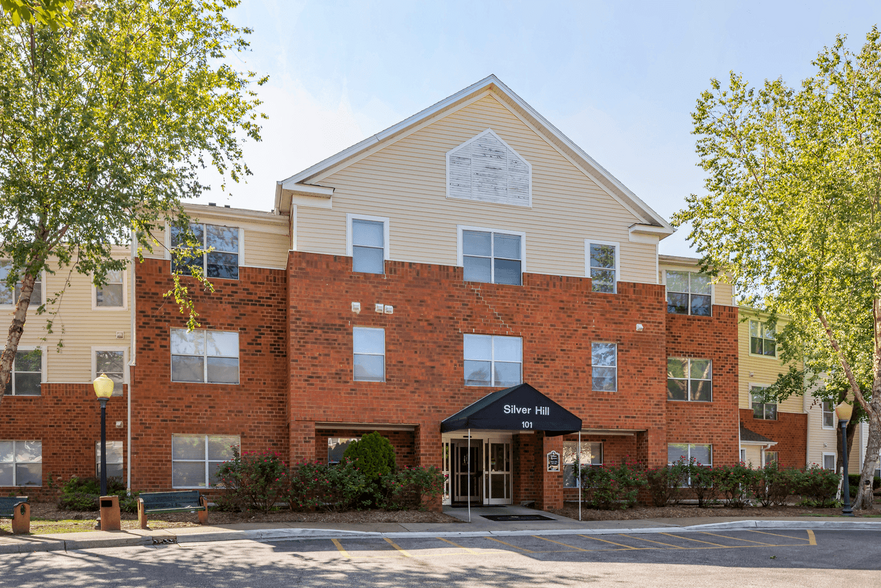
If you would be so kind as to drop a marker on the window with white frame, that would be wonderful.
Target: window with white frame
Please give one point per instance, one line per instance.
(114, 459)
(222, 261)
(27, 373)
(701, 452)
(336, 448)
(591, 455)
(604, 367)
(828, 415)
(111, 294)
(492, 257)
(204, 356)
(368, 238)
(369, 354)
(762, 409)
(196, 458)
(689, 379)
(761, 339)
(829, 461)
(21, 463)
(9, 296)
(493, 360)
(112, 364)
(689, 293)
(602, 266)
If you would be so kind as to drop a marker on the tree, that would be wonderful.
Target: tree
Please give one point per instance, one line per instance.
(103, 130)
(52, 13)
(793, 214)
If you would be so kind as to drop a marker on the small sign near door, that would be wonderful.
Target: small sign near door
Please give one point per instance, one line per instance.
(553, 461)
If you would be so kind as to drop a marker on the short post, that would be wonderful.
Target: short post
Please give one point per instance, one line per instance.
(845, 411)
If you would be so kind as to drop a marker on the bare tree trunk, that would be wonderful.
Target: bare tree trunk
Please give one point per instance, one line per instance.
(15, 330)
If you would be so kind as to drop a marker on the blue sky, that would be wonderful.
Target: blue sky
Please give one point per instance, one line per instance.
(619, 78)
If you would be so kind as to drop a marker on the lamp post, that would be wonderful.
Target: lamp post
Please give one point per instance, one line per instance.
(844, 412)
(103, 390)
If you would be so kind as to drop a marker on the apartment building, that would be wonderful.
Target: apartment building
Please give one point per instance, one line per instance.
(470, 283)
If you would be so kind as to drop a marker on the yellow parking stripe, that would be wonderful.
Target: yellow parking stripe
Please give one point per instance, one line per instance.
(340, 547)
(509, 545)
(558, 543)
(393, 544)
(811, 539)
(613, 543)
(471, 551)
(738, 539)
(690, 539)
(778, 535)
(658, 542)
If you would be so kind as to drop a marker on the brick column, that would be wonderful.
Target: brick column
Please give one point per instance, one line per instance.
(550, 484)
(302, 436)
(427, 446)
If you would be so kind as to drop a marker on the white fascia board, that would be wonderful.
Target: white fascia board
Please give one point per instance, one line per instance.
(308, 190)
(759, 443)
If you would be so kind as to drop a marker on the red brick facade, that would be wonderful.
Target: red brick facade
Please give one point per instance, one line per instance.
(790, 431)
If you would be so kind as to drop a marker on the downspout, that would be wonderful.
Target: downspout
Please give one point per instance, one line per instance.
(131, 363)
(807, 412)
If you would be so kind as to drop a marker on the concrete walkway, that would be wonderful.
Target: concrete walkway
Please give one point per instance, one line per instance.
(478, 526)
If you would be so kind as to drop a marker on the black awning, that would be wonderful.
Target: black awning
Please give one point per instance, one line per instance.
(519, 408)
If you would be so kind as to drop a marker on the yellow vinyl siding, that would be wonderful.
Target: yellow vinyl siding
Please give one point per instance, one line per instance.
(759, 370)
(77, 326)
(405, 181)
(753, 457)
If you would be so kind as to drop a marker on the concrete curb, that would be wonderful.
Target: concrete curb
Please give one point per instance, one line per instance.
(126, 539)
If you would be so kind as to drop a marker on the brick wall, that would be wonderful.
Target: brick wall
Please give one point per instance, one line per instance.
(255, 409)
(790, 431)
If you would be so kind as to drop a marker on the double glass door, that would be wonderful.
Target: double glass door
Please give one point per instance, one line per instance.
(481, 473)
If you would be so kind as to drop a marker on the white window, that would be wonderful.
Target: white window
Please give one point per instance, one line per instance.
(336, 448)
(602, 266)
(689, 293)
(27, 373)
(761, 409)
(829, 461)
(9, 296)
(114, 459)
(743, 456)
(702, 453)
(828, 415)
(369, 354)
(204, 356)
(689, 379)
(112, 294)
(21, 463)
(367, 240)
(487, 169)
(110, 362)
(493, 360)
(195, 458)
(604, 363)
(491, 256)
(591, 454)
(222, 261)
(761, 339)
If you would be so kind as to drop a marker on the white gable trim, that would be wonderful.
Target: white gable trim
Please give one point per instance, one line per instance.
(507, 146)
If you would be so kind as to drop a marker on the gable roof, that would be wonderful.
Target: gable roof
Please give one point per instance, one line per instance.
(300, 183)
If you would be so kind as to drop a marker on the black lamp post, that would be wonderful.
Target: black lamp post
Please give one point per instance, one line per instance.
(103, 390)
(844, 412)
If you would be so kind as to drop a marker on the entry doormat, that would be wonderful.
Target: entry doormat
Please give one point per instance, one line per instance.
(516, 518)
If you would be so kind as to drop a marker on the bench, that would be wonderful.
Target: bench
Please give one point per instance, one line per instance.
(153, 502)
(17, 509)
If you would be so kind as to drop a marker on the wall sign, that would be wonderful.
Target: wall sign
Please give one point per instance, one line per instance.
(553, 461)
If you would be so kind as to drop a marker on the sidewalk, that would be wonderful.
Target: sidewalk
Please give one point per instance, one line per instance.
(478, 527)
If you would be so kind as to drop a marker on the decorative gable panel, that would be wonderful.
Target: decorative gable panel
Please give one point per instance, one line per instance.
(487, 169)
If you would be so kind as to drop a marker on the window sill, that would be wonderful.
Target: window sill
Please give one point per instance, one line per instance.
(757, 356)
(697, 402)
(700, 316)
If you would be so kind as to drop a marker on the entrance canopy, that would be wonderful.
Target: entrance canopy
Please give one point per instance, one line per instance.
(519, 408)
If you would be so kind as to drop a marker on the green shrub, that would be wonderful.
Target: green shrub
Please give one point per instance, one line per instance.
(701, 480)
(373, 455)
(252, 480)
(664, 484)
(773, 485)
(82, 494)
(407, 487)
(608, 487)
(854, 484)
(316, 486)
(735, 483)
(816, 486)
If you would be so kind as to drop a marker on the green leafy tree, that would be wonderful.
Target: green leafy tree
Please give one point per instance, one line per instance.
(52, 13)
(792, 213)
(103, 130)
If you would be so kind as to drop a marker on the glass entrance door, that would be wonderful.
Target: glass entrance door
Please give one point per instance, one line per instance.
(497, 471)
(467, 473)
